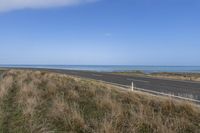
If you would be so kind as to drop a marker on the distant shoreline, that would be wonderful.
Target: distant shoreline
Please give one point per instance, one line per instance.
(114, 68)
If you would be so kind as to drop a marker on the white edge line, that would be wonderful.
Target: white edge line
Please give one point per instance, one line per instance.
(124, 87)
(97, 75)
(129, 79)
(154, 92)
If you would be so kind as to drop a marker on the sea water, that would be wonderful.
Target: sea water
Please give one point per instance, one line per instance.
(114, 68)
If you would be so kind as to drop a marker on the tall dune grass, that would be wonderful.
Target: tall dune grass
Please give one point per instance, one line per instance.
(42, 102)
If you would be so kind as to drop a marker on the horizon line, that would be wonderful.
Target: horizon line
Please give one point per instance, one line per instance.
(98, 65)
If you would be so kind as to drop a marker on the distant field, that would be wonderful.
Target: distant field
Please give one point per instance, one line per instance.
(167, 75)
(34, 101)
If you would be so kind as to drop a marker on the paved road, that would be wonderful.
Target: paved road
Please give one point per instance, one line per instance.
(179, 88)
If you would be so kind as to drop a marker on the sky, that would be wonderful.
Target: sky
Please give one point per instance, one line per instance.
(100, 32)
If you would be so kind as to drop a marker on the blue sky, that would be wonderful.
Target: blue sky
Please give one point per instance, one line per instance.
(102, 32)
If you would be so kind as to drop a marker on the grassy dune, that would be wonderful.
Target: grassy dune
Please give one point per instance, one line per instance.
(39, 102)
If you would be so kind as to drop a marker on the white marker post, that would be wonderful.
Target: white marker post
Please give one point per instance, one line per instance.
(132, 86)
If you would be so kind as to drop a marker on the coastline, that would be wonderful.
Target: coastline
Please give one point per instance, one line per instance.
(115, 68)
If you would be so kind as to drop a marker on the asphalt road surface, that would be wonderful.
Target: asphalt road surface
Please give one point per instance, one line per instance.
(186, 89)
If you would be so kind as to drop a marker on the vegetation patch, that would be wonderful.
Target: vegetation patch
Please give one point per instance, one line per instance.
(34, 101)
(165, 75)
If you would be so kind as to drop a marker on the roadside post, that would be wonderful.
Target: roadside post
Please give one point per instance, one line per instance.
(132, 86)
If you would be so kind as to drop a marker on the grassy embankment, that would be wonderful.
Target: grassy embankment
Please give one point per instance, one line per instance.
(48, 102)
(166, 75)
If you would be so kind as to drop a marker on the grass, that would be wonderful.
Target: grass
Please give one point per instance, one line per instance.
(43, 102)
(166, 75)
(179, 76)
(1, 71)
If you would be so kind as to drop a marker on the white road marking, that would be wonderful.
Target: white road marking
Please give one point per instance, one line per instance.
(124, 87)
(97, 75)
(167, 94)
(138, 80)
(74, 72)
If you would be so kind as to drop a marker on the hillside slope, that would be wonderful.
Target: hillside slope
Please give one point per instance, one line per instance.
(40, 102)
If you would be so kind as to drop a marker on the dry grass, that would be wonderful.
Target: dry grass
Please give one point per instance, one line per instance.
(5, 83)
(178, 76)
(165, 75)
(48, 102)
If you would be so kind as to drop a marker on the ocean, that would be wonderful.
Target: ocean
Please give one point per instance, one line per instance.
(114, 68)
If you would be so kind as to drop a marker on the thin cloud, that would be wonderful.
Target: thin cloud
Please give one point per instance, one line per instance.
(108, 34)
(9, 5)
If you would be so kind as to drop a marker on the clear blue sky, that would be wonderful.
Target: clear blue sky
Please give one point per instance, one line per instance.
(103, 32)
